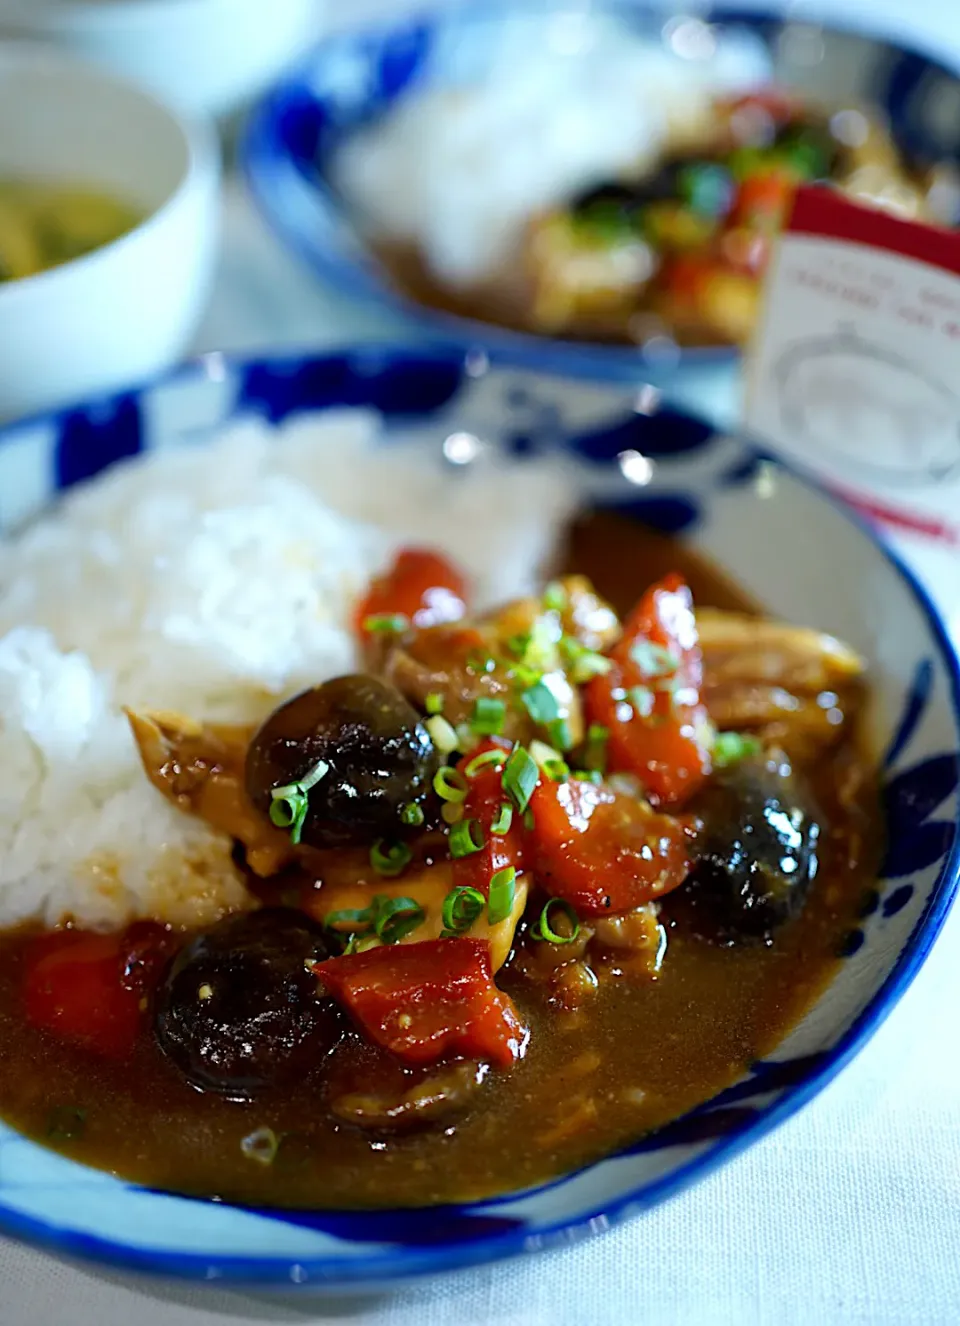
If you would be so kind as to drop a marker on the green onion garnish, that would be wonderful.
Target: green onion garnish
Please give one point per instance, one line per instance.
(351, 920)
(541, 703)
(442, 734)
(396, 917)
(466, 837)
(589, 776)
(654, 660)
(289, 804)
(261, 1145)
(390, 858)
(450, 785)
(451, 812)
(642, 700)
(503, 890)
(560, 734)
(595, 751)
(589, 665)
(386, 622)
(503, 820)
(461, 907)
(542, 929)
(529, 823)
(549, 761)
(555, 597)
(412, 815)
(732, 747)
(434, 703)
(517, 644)
(484, 760)
(488, 716)
(520, 775)
(478, 662)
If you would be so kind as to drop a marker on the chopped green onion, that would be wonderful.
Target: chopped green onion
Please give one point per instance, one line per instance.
(467, 739)
(261, 1145)
(525, 676)
(390, 858)
(313, 776)
(288, 809)
(732, 747)
(466, 837)
(488, 716)
(654, 660)
(589, 665)
(360, 942)
(388, 622)
(549, 761)
(478, 662)
(541, 703)
(350, 920)
(503, 820)
(461, 907)
(560, 734)
(517, 644)
(451, 812)
(484, 760)
(589, 776)
(442, 734)
(595, 750)
(289, 805)
(396, 917)
(434, 703)
(555, 597)
(520, 776)
(450, 785)
(642, 700)
(529, 823)
(542, 929)
(503, 890)
(412, 815)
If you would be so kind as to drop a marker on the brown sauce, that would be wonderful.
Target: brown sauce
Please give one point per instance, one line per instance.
(640, 1052)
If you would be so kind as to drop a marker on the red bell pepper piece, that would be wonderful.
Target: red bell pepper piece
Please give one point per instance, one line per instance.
(604, 852)
(484, 800)
(762, 200)
(421, 586)
(90, 989)
(650, 699)
(424, 1001)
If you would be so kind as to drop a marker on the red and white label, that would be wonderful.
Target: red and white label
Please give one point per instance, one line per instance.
(854, 371)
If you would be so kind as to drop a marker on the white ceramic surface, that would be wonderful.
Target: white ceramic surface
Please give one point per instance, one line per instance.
(128, 309)
(203, 55)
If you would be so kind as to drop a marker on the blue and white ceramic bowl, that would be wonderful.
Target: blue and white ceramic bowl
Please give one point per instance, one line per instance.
(787, 544)
(356, 77)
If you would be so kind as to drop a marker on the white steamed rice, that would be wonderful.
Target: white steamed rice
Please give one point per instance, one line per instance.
(213, 581)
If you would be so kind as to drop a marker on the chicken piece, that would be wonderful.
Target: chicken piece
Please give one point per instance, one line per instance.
(427, 886)
(200, 768)
(464, 662)
(794, 687)
(451, 661)
(447, 1091)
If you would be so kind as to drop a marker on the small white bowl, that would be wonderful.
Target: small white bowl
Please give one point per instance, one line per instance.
(202, 55)
(127, 310)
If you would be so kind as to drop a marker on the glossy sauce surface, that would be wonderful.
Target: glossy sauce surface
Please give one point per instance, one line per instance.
(639, 1052)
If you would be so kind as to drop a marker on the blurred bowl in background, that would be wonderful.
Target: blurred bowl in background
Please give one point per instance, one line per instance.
(128, 309)
(203, 55)
(306, 129)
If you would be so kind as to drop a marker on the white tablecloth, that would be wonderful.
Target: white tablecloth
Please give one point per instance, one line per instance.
(850, 1213)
